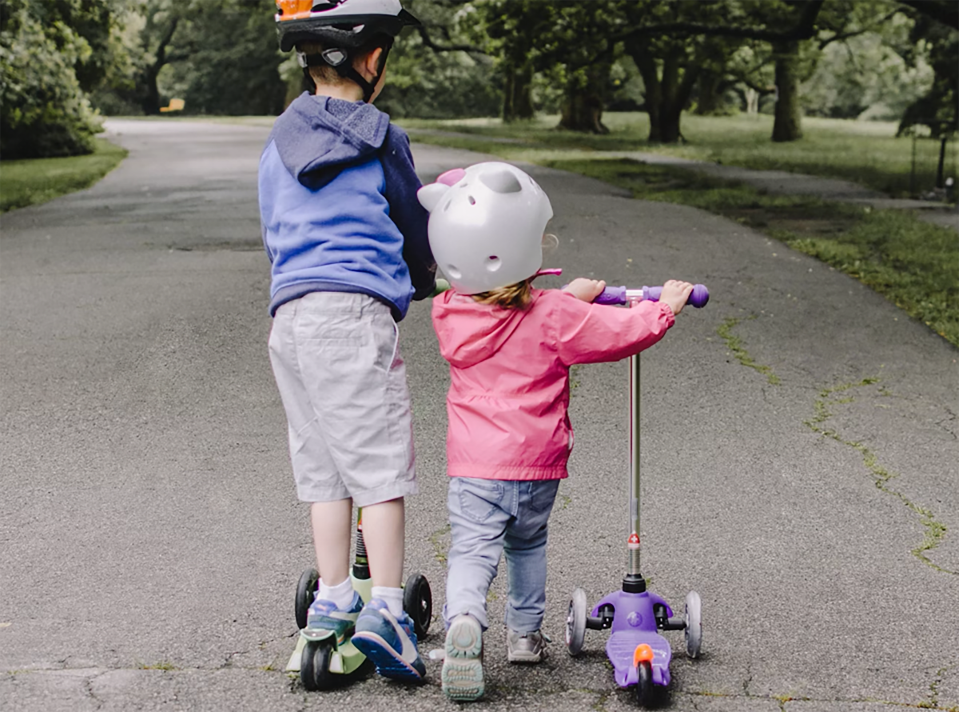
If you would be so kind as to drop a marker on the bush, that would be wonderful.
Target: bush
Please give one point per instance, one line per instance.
(43, 111)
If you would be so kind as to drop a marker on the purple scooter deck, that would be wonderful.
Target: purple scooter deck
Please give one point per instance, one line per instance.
(634, 624)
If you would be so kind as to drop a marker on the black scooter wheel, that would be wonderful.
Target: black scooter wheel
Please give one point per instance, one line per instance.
(305, 591)
(418, 603)
(644, 684)
(315, 666)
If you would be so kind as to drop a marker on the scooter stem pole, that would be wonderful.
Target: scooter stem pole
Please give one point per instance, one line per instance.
(634, 412)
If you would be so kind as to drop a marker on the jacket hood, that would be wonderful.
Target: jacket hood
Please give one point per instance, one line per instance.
(317, 135)
(469, 332)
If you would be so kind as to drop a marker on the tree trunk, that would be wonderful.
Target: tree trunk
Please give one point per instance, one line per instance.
(517, 99)
(151, 92)
(666, 97)
(583, 104)
(788, 116)
(710, 99)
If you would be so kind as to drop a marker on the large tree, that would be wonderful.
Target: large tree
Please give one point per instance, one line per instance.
(51, 53)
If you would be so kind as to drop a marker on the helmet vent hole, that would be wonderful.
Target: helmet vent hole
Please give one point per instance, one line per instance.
(472, 200)
(493, 263)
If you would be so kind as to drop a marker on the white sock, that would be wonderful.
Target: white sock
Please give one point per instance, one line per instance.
(392, 597)
(341, 594)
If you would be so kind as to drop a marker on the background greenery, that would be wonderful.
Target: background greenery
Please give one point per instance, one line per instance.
(65, 63)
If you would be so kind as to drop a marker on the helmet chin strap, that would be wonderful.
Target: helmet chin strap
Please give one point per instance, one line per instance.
(341, 61)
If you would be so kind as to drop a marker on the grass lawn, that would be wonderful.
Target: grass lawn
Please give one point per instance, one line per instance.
(862, 151)
(32, 181)
(912, 263)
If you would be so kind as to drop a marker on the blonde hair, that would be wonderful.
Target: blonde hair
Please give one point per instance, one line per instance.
(513, 296)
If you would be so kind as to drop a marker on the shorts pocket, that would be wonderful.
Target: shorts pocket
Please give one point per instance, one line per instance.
(478, 499)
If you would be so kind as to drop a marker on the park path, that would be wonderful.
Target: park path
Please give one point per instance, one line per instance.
(799, 459)
(771, 181)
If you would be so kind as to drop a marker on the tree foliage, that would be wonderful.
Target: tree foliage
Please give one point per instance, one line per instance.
(47, 60)
(936, 109)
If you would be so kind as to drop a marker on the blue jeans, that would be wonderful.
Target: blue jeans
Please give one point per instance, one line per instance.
(488, 517)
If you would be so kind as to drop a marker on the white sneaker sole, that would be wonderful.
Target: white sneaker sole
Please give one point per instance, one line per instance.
(463, 666)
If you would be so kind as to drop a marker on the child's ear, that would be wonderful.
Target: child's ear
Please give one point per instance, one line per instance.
(372, 61)
(429, 195)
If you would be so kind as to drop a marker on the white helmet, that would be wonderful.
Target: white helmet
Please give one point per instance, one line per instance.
(486, 225)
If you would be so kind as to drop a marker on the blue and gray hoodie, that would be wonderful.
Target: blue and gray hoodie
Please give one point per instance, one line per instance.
(338, 206)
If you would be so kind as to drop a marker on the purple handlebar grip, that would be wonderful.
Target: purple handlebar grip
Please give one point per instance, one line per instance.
(611, 295)
(617, 295)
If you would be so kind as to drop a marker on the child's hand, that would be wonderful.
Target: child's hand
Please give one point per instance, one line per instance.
(675, 294)
(585, 289)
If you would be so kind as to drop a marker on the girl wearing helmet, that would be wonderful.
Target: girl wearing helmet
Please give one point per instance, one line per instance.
(510, 346)
(348, 249)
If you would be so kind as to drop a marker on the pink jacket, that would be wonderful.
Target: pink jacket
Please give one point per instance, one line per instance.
(509, 376)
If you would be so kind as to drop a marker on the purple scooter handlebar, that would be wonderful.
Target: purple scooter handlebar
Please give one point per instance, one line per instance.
(622, 295)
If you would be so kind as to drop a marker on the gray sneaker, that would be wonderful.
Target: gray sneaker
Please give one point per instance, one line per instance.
(527, 647)
(463, 665)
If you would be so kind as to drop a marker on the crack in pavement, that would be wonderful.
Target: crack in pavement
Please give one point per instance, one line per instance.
(735, 345)
(935, 530)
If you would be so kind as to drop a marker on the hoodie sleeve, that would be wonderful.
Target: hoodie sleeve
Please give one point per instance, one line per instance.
(594, 333)
(405, 210)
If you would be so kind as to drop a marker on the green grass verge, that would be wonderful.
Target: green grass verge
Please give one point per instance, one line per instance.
(33, 181)
(912, 263)
(866, 152)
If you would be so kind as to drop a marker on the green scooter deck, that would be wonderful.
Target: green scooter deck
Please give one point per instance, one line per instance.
(346, 658)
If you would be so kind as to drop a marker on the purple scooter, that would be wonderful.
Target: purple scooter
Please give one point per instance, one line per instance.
(639, 654)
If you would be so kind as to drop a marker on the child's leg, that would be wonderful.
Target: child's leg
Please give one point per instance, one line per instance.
(384, 531)
(332, 531)
(479, 514)
(480, 511)
(525, 547)
(336, 606)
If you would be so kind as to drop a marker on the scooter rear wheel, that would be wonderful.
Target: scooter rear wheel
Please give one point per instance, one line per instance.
(418, 603)
(305, 591)
(576, 622)
(694, 624)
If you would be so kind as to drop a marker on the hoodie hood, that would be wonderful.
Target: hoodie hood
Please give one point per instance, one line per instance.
(469, 332)
(318, 135)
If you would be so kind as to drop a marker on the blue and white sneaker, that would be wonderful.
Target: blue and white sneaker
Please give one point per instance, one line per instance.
(389, 642)
(324, 619)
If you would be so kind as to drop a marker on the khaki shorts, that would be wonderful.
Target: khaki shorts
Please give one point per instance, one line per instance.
(337, 364)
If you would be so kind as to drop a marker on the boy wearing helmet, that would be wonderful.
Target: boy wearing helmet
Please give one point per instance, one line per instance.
(510, 347)
(348, 246)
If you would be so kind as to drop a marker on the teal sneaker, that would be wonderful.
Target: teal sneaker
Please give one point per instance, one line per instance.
(324, 619)
(389, 642)
(463, 664)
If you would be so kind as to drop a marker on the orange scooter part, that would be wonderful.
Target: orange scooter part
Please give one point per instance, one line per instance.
(642, 654)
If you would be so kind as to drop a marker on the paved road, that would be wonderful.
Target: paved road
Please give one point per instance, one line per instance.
(800, 461)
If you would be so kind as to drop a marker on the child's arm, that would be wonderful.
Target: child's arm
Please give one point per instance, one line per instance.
(405, 210)
(593, 333)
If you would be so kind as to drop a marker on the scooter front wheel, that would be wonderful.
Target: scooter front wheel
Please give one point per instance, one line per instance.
(643, 689)
(694, 624)
(315, 666)
(576, 622)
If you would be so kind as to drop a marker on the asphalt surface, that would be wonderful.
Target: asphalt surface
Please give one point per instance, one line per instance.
(799, 461)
